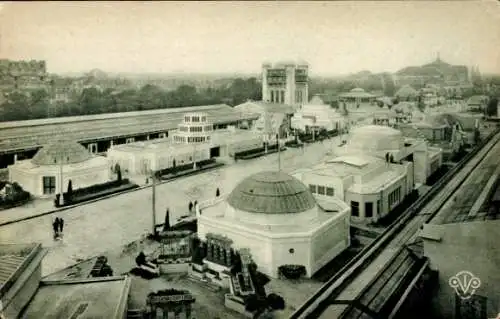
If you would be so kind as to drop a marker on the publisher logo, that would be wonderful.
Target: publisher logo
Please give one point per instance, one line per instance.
(465, 284)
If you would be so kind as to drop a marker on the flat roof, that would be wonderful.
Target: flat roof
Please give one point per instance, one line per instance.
(83, 299)
(328, 209)
(36, 133)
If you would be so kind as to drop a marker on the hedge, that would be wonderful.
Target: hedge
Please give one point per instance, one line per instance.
(18, 197)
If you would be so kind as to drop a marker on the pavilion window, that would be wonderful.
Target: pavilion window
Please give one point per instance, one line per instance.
(368, 209)
(49, 185)
(272, 95)
(312, 188)
(354, 208)
(330, 191)
(321, 190)
(282, 97)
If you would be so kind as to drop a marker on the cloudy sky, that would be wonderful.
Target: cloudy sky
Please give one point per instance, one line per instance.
(334, 37)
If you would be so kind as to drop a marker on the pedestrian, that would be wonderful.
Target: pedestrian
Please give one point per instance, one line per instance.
(61, 225)
(217, 192)
(55, 226)
(190, 207)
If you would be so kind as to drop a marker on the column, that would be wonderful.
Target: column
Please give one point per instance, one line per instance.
(216, 253)
(177, 313)
(210, 251)
(111, 143)
(228, 256)
(15, 158)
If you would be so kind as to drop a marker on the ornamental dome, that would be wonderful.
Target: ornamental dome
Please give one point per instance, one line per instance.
(66, 151)
(271, 193)
(358, 90)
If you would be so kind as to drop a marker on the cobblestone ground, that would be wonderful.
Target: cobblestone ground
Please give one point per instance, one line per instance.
(108, 224)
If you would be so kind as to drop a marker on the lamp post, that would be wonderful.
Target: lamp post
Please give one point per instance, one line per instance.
(61, 180)
(153, 199)
(279, 150)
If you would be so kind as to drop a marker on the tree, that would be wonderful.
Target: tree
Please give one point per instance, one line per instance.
(70, 187)
(276, 302)
(492, 107)
(166, 225)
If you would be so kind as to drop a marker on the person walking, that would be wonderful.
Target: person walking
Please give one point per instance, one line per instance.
(61, 225)
(55, 227)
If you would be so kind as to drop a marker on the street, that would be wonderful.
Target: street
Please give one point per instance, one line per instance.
(109, 224)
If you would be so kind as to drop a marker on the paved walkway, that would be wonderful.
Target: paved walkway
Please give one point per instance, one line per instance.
(108, 224)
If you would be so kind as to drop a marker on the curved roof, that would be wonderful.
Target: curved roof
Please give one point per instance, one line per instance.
(271, 193)
(66, 151)
(357, 90)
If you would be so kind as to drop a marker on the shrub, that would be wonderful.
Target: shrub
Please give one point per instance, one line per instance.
(276, 302)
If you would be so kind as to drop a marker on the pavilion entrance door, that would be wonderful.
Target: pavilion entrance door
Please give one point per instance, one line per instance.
(145, 166)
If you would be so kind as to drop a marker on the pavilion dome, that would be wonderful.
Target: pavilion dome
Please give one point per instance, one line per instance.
(271, 193)
(357, 90)
(66, 151)
(376, 138)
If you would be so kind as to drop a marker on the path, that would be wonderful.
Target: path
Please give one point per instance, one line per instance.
(108, 224)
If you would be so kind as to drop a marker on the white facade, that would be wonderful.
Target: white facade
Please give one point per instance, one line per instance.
(378, 141)
(194, 141)
(368, 184)
(285, 83)
(311, 239)
(361, 177)
(45, 180)
(317, 115)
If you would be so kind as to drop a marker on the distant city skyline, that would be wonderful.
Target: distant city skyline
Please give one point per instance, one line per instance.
(237, 37)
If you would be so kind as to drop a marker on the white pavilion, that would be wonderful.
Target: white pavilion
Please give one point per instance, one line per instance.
(275, 216)
(57, 164)
(317, 115)
(360, 175)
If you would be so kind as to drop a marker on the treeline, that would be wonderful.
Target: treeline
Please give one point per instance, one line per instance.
(19, 106)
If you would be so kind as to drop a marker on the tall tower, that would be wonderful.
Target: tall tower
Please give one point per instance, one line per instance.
(285, 83)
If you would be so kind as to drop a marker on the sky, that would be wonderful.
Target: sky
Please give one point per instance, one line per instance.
(231, 37)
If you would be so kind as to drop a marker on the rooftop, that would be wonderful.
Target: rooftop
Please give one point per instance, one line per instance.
(327, 210)
(83, 299)
(271, 192)
(271, 107)
(36, 133)
(12, 259)
(62, 152)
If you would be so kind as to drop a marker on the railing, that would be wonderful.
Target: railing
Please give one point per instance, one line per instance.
(356, 264)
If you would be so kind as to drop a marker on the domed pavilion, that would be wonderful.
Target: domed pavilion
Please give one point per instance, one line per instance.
(282, 223)
(59, 163)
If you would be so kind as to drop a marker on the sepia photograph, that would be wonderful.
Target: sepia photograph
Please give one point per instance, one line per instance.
(250, 159)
